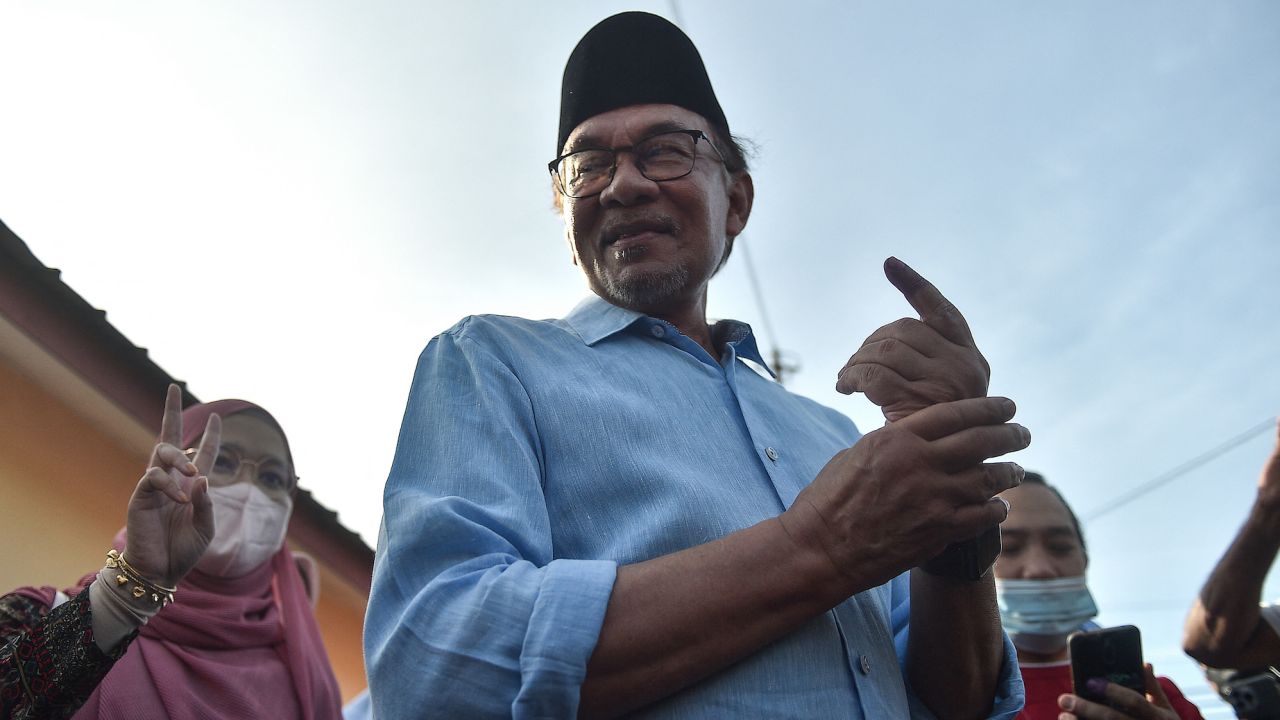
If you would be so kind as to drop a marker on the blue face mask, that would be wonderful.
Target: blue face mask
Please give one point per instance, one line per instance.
(1039, 614)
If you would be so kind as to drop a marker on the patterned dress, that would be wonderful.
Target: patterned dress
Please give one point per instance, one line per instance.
(49, 662)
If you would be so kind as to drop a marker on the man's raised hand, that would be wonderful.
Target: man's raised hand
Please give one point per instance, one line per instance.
(910, 364)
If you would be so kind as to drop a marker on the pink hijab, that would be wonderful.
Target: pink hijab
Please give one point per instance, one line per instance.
(242, 648)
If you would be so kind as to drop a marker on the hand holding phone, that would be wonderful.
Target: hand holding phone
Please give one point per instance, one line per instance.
(1112, 654)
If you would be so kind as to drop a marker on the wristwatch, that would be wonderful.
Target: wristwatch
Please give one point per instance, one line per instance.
(969, 559)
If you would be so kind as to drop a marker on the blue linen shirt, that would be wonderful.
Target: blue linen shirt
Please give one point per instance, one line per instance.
(536, 456)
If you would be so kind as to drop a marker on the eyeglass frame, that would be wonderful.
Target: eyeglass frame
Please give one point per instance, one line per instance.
(257, 467)
(553, 166)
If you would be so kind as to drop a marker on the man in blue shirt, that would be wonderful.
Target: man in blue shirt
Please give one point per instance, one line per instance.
(614, 513)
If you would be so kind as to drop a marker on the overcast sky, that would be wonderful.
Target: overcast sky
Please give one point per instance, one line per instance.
(1094, 184)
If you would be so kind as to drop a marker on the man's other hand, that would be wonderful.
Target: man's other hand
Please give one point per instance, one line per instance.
(1269, 482)
(910, 364)
(903, 492)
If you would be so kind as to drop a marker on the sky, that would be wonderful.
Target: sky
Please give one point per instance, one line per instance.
(285, 201)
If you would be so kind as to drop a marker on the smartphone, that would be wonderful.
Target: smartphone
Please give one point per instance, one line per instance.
(1253, 696)
(1113, 654)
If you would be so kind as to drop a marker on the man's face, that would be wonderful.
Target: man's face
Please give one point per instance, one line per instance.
(653, 246)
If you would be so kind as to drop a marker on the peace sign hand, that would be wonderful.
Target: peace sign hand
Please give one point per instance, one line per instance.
(910, 364)
(170, 520)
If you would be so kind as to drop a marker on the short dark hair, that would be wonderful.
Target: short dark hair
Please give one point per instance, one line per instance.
(1036, 478)
(734, 149)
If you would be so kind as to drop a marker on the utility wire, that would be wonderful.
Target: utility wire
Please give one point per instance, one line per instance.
(780, 369)
(675, 13)
(1183, 469)
(755, 289)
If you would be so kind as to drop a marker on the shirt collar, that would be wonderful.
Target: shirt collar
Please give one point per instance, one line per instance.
(743, 339)
(595, 319)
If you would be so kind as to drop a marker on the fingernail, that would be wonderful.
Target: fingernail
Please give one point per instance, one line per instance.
(192, 469)
(1019, 474)
(1026, 434)
(1067, 702)
(893, 262)
(1097, 686)
(1007, 406)
(184, 497)
(1007, 506)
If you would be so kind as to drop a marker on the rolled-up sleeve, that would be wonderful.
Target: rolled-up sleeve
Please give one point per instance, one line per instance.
(470, 614)
(1010, 694)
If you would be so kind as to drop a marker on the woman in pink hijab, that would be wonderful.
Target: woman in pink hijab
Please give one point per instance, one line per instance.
(200, 611)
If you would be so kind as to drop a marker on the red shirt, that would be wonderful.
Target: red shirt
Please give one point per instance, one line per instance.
(1048, 681)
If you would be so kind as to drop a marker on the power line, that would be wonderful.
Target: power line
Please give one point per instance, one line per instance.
(780, 369)
(1183, 469)
(675, 13)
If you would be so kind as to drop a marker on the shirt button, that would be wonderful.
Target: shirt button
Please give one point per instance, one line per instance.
(773, 454)
(865, 664)
(658, 331)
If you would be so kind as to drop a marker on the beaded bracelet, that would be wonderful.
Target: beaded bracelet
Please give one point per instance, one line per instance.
(142, 587)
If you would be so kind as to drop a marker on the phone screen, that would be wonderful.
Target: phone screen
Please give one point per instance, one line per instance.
(1113, 654)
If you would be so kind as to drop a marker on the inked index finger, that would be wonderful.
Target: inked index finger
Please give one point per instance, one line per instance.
(935, 310)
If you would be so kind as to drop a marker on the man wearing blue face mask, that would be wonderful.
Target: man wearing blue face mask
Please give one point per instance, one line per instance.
(1043, 598)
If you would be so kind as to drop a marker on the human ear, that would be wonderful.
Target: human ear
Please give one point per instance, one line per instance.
(742, 193)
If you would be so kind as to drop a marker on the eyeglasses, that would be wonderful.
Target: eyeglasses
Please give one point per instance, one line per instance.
(664, 156)
(268, 473)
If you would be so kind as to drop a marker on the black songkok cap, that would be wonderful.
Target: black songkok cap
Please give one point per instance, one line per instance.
(634, 58)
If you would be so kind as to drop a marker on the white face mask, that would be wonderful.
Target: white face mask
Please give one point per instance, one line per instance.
(250, 528)
(1038, 614)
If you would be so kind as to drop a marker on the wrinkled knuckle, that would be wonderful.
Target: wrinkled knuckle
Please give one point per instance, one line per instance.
(977, 366)
(996, 478)
(938, 391)
(876, 442)
(902, 323)
(884, 454)
(868, 375)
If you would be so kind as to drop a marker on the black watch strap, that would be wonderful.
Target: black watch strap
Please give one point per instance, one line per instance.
(967, 560)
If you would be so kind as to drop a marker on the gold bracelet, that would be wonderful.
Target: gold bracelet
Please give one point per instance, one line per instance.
(142, 587)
